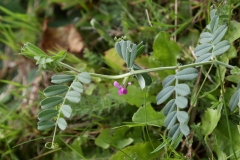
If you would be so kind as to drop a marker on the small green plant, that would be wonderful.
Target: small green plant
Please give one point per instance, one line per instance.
(175, 92)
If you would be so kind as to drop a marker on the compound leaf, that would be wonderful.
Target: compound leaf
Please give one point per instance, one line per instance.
(62, 124)
(84, 77)
(170, 120)
(182, 116)
(202, 49)
(43, 125)
(51, 102)
(66, 110)
(182, 89)
(73, 96)
(204, 58)
(174, 131)
(220, 48)
(77, 86)
(187, 74)
(168, 80)
(164, 94)
(184, 129)
(169, 107)
(205, 37)
(181, 102)
(234, 100)
(62, 78)
(55, 90)
(219, 33)
(47, 114)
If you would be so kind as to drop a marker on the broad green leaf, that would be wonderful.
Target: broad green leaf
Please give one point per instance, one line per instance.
(77, 86)
(182, 89)
(187, 74)
(47, 114)
(103, 140)
(62, 124)
(73, 96)
(184, 129)
(55, 90)
(233, 31)
(204, 58)
(174, 131)
(168, 80)
(181, 102)
(219, 33)
(140, 80)
(170, 119)
(147, 115)
(234, 100)
(164, 94)
(169, 107)
(210, 120)
(84, 77)
(62, 78)
(182, 116)
(214, 23)
(51, 102)
(233, 78)
(139, 151)
(223, 141)
(66, 110)
(220, 48)
(133, 55)
(202, 49)
(43, 125)
(165, 50)
(205, 37)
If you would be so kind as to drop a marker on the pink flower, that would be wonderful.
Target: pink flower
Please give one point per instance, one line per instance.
(121, 89)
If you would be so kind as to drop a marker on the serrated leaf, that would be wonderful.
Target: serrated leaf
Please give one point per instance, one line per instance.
(205, 37)
(77, 86)
(182, 116)
(204, 58)
(73, 96)
(55, 90)
(47, 114)
(164, 94)
(168, 80)
(170, 120)
(62, 78)
(234, 100)
(174, 131)
(62, 124)
(140, 80)
(187, 74)
(184, 129)
(84, 77)
(66, 110)
(220, 48)
(51, 102)
(181, 102)
(169, 107)
(182, 89)
(214, 23)
(202, 49)
(43, 125)
(219, 33)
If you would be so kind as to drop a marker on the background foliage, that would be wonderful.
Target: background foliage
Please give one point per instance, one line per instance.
(105, 125)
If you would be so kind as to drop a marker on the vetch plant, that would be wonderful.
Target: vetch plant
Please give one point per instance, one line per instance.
(175, 95)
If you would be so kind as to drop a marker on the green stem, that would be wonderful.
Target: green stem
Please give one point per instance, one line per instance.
(149, 70)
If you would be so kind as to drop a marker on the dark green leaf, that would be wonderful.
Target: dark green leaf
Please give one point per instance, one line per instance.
(55, 90)
(204, 58)
(140, 50)
(220, 48)
(219, 33)
(146, 76)
(43, 125)
(47, 114)
(164, 94)
(66, 110)
(202, 49)
(205, 37)
(181, 102)
(73, 96)
(62, 78)
(84, 77)
(182, 116)
(77, 86)
(187, 74)
(182, 89)
(51, 102)
(184, 129)
(170, 120)
(168, 80)
(62, 124)
(169, 107)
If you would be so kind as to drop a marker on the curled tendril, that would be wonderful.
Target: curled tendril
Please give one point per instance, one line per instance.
(50, 145)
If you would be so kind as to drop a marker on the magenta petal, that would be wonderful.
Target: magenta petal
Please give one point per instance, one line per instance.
(124, 91)
(116, 84)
